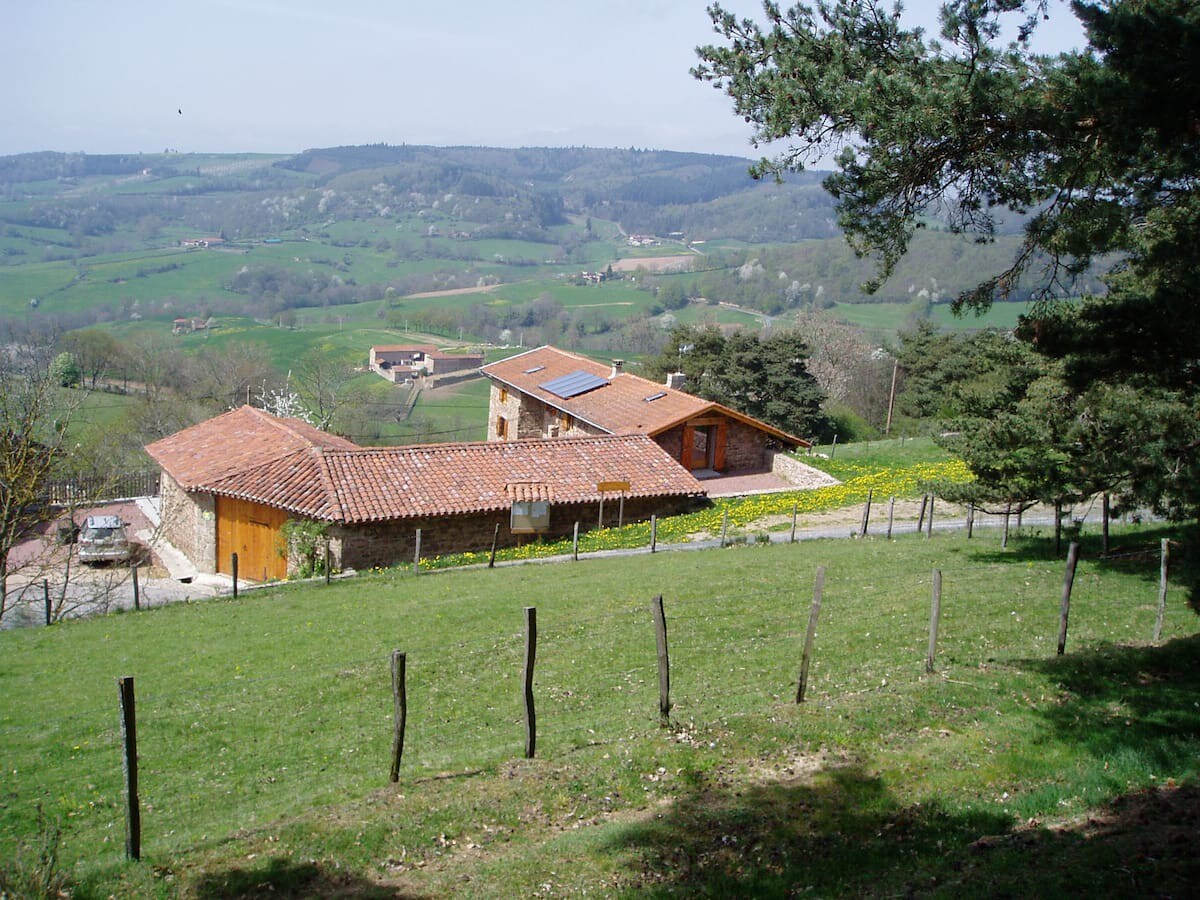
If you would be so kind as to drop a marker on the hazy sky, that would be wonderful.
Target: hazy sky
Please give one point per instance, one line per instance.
(286, 75)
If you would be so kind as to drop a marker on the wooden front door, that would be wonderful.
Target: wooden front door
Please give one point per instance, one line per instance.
(252, 531)
(704, 444)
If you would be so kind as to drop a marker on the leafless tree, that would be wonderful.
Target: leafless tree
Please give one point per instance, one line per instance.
(34, 415)
(325, 384)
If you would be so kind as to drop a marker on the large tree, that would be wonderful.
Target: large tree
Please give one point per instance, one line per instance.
(1098, 149)
(762, 377)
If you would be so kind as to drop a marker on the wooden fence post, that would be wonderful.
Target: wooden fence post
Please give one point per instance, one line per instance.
(400, 715)
(833, 447)
(417, 554)
(929, 521)
(810, 635)
(891, 515)
(133, 813)
(935, 613)
(328, 562)
(621, 511)
(653, 533)
(575, 544)
(233, 564)
(1164, 561)
(664, 662)
(492, 556)
(46, 597)
(527, 680)
(1065, 609)
(137, 594)
(921, 517)
(866, 516)
(724, 525)
(600, 518)
(795, 508)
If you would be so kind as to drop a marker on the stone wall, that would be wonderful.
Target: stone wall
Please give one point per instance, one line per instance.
(804, 476)
(394, 543)
(190, 523)
(509, 408)
(529, 417)
(745, 446)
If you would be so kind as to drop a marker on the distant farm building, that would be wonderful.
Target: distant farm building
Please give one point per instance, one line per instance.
(406, 362)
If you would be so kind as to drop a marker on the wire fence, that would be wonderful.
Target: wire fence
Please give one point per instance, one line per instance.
(243, 752)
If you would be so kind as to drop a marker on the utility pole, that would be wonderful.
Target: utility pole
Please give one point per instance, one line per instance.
(887, 429)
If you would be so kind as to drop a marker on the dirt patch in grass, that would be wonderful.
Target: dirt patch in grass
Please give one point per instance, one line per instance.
(654, 263)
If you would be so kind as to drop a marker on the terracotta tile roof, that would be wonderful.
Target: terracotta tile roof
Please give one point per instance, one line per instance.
(447, 479)
(232, 442)
(623, 405)
(254, 456)
(529, 491)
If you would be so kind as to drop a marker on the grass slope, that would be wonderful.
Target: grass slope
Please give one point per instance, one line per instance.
(265, 724)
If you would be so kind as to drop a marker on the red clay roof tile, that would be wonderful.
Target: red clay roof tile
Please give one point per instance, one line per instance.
(254, 456)
(626, 404)
(234, 441)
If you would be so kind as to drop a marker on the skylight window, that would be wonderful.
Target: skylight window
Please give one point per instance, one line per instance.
(654, 397)
(534, 369)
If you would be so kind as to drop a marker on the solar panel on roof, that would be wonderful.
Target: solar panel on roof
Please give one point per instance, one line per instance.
(573, 384)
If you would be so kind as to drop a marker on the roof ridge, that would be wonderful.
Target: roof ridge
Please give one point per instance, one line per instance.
(519, 355)
(473, 445)
(281, 423)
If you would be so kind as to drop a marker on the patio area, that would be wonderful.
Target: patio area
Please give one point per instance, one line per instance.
(738, 484)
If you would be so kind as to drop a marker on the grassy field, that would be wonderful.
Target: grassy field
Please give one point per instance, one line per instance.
(265, 746)
(884, 319)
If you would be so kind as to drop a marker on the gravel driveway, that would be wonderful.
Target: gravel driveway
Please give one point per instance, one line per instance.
(40, 566)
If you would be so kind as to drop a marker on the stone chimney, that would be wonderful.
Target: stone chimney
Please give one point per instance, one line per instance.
(675, 381)
(616, 369)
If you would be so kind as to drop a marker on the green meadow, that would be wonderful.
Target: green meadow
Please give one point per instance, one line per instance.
(265, 732)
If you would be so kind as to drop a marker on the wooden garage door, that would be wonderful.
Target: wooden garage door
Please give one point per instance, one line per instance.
(252, 532)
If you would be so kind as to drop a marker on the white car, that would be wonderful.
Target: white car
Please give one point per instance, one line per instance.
(103, 539)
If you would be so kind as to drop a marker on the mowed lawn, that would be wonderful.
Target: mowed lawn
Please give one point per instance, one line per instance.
(265, 729)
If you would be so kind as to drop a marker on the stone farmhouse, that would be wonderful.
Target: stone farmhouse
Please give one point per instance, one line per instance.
(549, 393)
(230, 484)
